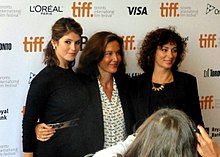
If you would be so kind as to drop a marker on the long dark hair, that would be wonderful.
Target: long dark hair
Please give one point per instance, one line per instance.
(160, 37)
(60, 28)
(94, 51)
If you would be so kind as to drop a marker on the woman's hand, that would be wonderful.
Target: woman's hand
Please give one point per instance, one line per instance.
(44, 132)
(206, 146)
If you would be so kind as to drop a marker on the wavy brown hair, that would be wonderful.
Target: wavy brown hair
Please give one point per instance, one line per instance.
(61, 27)
(160, 37)
(94, 51)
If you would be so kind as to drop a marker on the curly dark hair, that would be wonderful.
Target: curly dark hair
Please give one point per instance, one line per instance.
(61, 27)
(160, 37)
(94, 51)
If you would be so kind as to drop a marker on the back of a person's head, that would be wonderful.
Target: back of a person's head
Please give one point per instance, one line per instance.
(166, 133)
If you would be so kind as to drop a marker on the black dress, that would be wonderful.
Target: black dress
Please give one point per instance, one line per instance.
(55, 95)
(180, 94)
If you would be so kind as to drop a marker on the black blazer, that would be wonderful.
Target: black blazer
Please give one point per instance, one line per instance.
(91, 121)
(185, 90)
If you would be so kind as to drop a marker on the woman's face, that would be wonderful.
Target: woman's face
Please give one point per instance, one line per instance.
(165, 56)
(111, 59)
(67, 48)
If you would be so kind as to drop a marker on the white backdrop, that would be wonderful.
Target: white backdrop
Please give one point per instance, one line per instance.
(25, 29)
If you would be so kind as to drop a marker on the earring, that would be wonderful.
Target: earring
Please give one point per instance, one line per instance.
(54, 47)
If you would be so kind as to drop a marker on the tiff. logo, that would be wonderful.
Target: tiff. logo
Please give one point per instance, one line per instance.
(129, 42)
(33, 44)
(206, 102)
(82, 9)
(207, 40)
(169, 9)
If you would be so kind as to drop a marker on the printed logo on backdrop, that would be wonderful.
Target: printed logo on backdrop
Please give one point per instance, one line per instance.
(209, 102)
(137, 10)
(33, 44)
(129, 42)
(175, 9)
(36, 44)
(213, 131)
(84, 40)
(212, 73)
(5, 47)
(8, 82)
(9, 11)
(89, 9)
(31, 77)
(6, 150)
(186, 38)
(4, 114)
(46, 9)
(210, 9)
(209, 41)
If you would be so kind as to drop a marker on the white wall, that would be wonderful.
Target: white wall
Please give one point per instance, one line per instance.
(197, 21)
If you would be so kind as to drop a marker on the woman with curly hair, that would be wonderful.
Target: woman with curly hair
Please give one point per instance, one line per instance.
(162, 85)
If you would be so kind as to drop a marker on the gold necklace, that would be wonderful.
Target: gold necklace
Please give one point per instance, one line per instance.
(158, 88)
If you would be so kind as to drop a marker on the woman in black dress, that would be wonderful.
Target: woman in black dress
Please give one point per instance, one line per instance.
(107, 118)
(56, 96)
(162, 85)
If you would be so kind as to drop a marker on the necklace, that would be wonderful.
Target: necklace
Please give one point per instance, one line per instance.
(157, 88)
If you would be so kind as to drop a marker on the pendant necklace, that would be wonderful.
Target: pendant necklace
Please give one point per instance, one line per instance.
(161, 87)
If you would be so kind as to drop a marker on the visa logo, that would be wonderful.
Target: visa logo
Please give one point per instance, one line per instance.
(137, 11)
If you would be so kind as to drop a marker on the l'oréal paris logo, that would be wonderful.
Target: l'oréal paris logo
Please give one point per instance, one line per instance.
(46, 9)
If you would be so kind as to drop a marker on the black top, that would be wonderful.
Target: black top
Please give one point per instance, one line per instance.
(181, 94)
(93, 116)
(55, 95)
(164, 98)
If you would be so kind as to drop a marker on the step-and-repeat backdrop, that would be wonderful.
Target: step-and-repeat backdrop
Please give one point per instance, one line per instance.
(25, 29)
